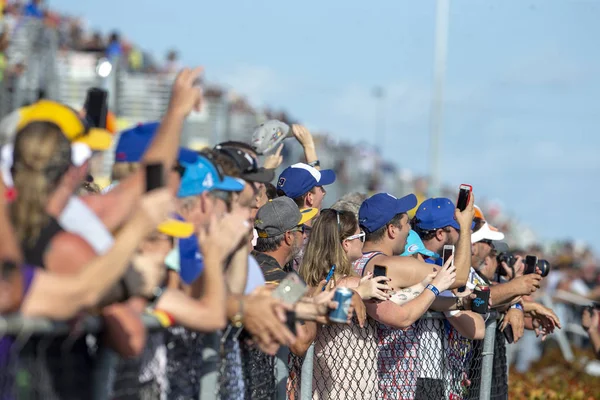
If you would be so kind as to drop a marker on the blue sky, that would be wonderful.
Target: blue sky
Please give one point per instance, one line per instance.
(521, 95)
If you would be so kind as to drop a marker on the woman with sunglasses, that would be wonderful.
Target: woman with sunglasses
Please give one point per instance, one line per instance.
(336, 239)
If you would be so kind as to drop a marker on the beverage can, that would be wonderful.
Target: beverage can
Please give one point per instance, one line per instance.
(343, 296)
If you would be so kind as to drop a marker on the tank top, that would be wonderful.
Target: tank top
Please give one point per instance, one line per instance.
(34, 254)
(360, 264)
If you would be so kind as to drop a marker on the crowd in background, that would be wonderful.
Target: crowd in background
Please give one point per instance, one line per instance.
(575, 268)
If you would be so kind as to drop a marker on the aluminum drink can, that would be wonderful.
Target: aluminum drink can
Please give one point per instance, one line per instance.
(343, 296)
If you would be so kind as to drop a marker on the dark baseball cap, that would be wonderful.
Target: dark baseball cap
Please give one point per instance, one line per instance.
(300, 178)
(381, 208)
(279, 216)
(248, 165)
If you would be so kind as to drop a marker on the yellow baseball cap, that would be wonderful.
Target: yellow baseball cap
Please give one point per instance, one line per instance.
(176, 229)
(69, 122)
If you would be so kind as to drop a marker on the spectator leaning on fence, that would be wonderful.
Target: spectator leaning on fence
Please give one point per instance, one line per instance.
(336, 240)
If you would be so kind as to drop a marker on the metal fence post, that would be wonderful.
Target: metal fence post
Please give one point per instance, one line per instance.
(487, 360)
(306, 377)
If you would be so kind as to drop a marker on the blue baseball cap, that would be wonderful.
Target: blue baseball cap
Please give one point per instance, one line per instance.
(436, 213)
(415, 245)
(300, 178)
(380, 208)
(134, 142)
(202, 176)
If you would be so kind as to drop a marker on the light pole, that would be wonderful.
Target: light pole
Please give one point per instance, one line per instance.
(437, 97)
(379, 96)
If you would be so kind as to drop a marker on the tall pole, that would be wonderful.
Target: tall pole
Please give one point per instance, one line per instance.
(379, 95)
(437, 98)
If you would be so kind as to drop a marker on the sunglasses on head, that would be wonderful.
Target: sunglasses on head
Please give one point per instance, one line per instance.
(337, 215)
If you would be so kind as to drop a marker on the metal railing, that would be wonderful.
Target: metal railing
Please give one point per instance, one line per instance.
(45, 359)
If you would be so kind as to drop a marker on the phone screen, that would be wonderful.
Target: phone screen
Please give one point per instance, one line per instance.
(96, 107)
(463, 197)
(447, 253)
(379, 270)
(154, 176)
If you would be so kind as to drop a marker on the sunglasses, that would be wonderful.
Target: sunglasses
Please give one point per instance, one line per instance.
(299, 228)
(360, 236)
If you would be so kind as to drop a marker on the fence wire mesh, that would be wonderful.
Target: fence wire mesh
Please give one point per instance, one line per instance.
(429, 360)
(184, 367)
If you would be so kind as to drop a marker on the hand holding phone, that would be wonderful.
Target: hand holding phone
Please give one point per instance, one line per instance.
(291, 289)
(447, 252)
(379, 270)
(464, 195)
(155, 177)
(96, 107)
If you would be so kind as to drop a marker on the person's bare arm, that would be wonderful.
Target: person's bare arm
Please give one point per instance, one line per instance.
(196, 314)
(504, 293)
(305, 338)
(469, 324)
(61, 296)
(125, 331)
(403, 271)
(462, 255)
(236, 274)
(400, 316)
(305, 138)
(115, 206)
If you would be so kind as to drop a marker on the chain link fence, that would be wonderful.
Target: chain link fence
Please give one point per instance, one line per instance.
(40, 359)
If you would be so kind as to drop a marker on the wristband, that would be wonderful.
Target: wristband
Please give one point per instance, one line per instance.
(518, 306)
(164, 318)
(435, 290)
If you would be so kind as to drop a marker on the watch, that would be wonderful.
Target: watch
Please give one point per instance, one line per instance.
(237, 319)
(315, 163)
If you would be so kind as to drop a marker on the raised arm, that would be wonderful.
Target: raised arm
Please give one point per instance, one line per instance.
(61, 296)
(462, 256)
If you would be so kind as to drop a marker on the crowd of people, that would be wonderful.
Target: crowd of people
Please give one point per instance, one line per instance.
(209, 240)
(74, 35)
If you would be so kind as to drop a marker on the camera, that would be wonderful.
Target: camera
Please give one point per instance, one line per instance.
(509, 259)
(531, 264)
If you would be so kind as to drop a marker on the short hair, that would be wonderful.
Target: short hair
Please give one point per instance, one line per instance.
(378, 235)
(269, 244)
(298, 200)
(271, 191)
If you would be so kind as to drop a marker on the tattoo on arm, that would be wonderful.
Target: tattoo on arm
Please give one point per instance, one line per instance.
(416, 294)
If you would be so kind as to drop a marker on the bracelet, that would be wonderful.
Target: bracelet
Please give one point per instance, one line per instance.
(518, 306)
(433, 289)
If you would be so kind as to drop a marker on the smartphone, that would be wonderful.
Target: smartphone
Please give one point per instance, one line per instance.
(96, 107)
(530, 265)
(508, 334)
(379, 270)
(291, 289)
(329, 276)
(290, 321)
(447, 253)
(464, 195)
(155, 176)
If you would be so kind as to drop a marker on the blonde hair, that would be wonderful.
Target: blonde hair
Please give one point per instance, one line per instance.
(122, 170)
(42, 155)
(324, 247)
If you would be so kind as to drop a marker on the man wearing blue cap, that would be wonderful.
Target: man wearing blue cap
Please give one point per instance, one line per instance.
(384, 219)
(203, 192)
(304, 184)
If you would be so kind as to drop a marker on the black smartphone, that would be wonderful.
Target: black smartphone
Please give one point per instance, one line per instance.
(96, 107)
(530, 265)
(464, 195)
(379, 270)
(155, 177)
(447, 253)
(290, 321)
(508, 334)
